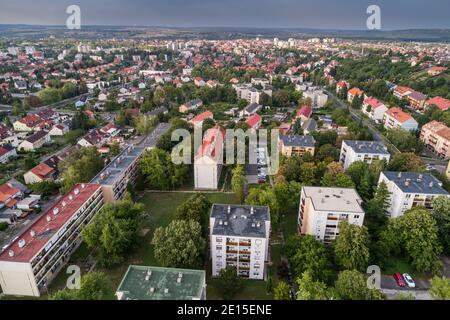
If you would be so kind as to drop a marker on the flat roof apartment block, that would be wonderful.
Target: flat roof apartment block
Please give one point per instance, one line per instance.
(32, 261)
(154, 283)
(322, 209)
(366, 151)
(240, 238)
(123, 169)
(410, 189)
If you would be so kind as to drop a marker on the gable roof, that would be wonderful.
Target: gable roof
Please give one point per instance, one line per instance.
(399, 115)
(253, 120)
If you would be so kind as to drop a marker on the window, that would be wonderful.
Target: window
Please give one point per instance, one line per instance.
(219, 248)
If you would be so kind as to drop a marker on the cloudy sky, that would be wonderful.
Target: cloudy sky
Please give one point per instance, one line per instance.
(325, 14)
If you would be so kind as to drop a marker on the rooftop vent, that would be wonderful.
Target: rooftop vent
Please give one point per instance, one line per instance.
(64, 203)
(55, 211)
(21, 243)
(166, 290)
(229, 209)
(252, 210)
(152, 290)
(258, 225)
(225, 223)
(431, 184)
(76, 191)
(253, 225)
(32, 233)
(11, 253)
(71, 197)
(220, 222)
(49, 218)
(399, 174)
(83, 186)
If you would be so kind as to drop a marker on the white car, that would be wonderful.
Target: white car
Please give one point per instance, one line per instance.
(409, 280)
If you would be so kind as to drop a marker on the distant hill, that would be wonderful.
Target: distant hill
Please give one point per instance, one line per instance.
(28, 31)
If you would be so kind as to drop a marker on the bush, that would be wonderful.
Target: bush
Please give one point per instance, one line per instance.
(3, 226)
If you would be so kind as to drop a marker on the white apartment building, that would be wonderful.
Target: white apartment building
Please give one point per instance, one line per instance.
(322, 209)
(208, 160)
(409, 190)
(32, 261)
(374, 109)
(240, 238)
(251, 94)
(318, 98)
(397, 118)
(366, 151)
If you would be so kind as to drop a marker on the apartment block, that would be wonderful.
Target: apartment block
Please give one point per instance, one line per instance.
(295, 145)
(123, 170)
(366, 151)
(322, 209)
(436, 137)
(32, 261)
(240, 238)
(208, 160)
(374, 109)
(397, 118)
(153, 283)
(409, 190)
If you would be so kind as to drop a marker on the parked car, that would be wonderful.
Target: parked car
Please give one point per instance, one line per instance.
(409, 280)
(399, 279)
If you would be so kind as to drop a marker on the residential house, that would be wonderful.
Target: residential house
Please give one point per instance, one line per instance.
(296, 145)
(58, 130)
(250, 110)
(304, 113)
(35, 141)
(6, 153)
(353, 93)
(254, 121)
(374, 109)
(190, 106)
(436, 137)
(397, 118)
(441, 103)
(199, 119)
(42, 172)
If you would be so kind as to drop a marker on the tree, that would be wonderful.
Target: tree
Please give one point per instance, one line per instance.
(352, 246)
(144, 124)
(282, 291)
(327, 151)
(404, 140)
(290, 168)
(160, 172)
(179, 245)
(81, 166)
(441, 213)
(406, 162)
(94, 286)
(114, 149)
(297, 128)
(49, 95)
(114, 231)
(352, 285)
(269, 284)
(238, 182)
(308, 172)
(195, 208)
(440, 288)
(305, 253)
(264, 197)
(229, 283)
(376, 210)
(45, 188)
(308, 289)
(340, 180)
(415, 234)
(287, 194)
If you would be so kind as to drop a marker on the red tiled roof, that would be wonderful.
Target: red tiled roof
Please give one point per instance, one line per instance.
(203, 116)
(253, 120)
(305, 111)
(43, 229)
(356, 92)
(212, 145)
(42, 170)
(439, 102)
(399, 115)
(373, 102)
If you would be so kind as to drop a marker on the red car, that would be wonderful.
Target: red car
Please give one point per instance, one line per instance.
(399, 279)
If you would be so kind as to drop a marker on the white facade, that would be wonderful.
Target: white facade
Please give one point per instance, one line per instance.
(322, 209)
(366, 151)
(408, 190)
(240, 238)
(318, 98)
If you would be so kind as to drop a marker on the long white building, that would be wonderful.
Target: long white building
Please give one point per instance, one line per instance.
(410, 189)
(32, 261)
(366, 151)
(322, 209)
(240, 238)
(208, 160)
